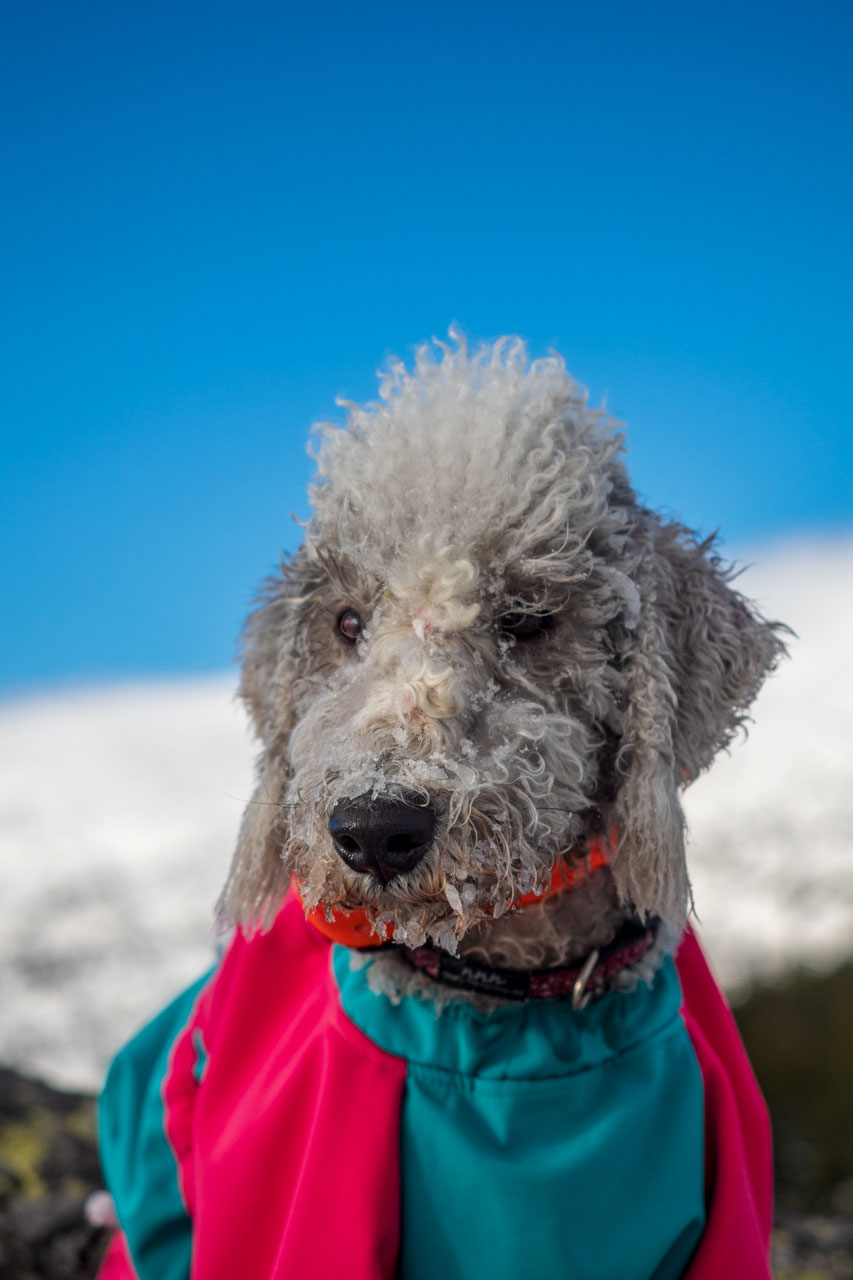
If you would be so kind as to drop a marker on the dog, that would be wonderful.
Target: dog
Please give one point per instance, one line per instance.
(462, 1027)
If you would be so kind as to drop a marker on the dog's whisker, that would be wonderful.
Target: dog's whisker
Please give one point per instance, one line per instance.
(269, 803)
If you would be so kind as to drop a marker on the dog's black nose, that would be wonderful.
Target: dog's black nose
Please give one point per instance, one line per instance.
(380, 836)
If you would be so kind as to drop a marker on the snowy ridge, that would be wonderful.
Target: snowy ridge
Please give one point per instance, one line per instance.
(771, 824)
(119, 809)
(117, 824)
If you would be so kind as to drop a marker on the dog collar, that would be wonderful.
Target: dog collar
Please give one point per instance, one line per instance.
(579, 982)
(355, 928)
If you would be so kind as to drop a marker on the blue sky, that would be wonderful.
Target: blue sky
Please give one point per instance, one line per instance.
(222, 216)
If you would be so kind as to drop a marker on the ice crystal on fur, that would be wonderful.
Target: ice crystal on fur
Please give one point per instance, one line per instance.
(480, 487)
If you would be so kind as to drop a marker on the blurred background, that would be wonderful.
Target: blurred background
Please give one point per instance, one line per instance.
(221, 217)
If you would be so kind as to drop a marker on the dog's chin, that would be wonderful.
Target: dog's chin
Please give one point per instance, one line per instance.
(415, 915)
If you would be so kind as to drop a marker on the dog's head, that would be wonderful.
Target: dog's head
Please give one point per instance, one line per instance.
(486, 654)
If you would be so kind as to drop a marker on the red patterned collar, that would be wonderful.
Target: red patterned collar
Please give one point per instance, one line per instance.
(578, 982)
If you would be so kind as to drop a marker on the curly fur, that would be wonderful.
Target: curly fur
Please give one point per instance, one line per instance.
(480, 484)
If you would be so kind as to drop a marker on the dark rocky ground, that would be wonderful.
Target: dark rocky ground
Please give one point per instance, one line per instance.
(799, 1036)
(808, 1247)
(48, 1167)
(49, 1163)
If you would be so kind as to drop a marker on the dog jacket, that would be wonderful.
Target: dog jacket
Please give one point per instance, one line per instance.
(281, 1119)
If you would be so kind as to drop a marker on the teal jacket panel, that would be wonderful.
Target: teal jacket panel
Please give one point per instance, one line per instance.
(540, 1141)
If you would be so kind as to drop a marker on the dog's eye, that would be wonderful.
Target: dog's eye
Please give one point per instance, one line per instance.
(523, 626)
(350, 625)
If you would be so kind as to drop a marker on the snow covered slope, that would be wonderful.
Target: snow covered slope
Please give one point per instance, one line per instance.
(119, 809)
(772, 822)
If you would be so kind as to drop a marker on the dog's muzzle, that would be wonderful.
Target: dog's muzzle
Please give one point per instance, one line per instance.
(382, 837)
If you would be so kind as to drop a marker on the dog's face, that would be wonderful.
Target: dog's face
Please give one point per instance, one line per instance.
(485, 654)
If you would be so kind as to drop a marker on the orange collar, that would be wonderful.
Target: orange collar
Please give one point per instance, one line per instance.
(354, 928)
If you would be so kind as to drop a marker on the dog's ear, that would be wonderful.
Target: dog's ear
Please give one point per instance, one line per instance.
(256, 881)
(699, 656)
(265, 676)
